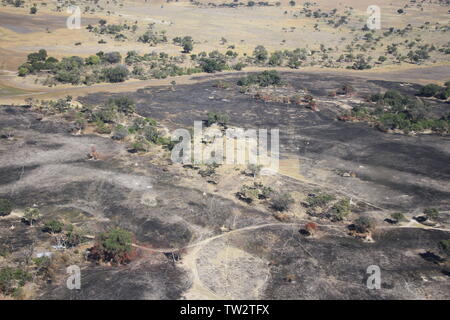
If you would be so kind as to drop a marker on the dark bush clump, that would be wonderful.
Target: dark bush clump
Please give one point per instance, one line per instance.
(6, 207)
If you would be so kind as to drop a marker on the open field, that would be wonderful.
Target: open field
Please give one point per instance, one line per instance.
(87, 169)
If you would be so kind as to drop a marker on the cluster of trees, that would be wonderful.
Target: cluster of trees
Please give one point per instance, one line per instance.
(12, 280)
(392, 110)
(115, 30)
(263, 79)
(153, 37)
(187, 43)
(326, 205)
(14, 3)
(76, 70)
(434, 90)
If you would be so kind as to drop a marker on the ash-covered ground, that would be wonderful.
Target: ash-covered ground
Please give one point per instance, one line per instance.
(194, 239)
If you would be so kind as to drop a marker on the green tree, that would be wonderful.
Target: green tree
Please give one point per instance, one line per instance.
(31, 215)
(187, 44)
(260, 53)
(115, 245)
(53, 226)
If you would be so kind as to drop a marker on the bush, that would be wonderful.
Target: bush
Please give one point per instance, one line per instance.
(53, 226)
(92, 60)
(431, 213)
(72, 76)
(33, 10)
(106, 114)
(151, 134)
(141, 145)
(364, 224)
(260, 54)
(398, 216)
(6, 207)
(320, 200)
(102, 128)
(340, 210)
(281, 201)
(212, 65)
(73, 237)
(114, 245)
(263, 79)
(23, 71)
(115, 74)
(254, 169)
(124, 104)
(12, 279)
(444, 94)
(120, 133)
(429, 90)
(445, 246)
(112, 57)
(220, 119)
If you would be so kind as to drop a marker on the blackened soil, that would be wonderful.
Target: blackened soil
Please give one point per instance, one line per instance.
(405, 172)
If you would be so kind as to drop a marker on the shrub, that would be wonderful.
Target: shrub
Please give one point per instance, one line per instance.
(92, 60)
(429, 90)
(120, 133)
(73, 237)
(445, 246)
(105, 115)
(319, 200)
(239, 66)
(124, 104)
(72, 76)
(340, 210)
(260, 53)
(102, 128)
(251, 193)
(281, 201)
(33, 10)
(248, 194)
(212, 65)
(431, 213)
(364, 224)
(114, 245)
(263, 79)
(23, 71)
(112, 57)
(53, 226)
(151, 134)
(6, 207)
(254, 169)
(115, 74)
(220, 119)
(141, 145)
(444, 94)
(12, 279)
(398, 216)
